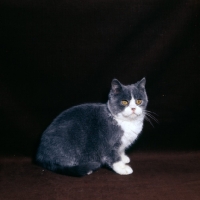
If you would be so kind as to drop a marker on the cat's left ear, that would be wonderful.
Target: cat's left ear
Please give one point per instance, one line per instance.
(141, 84)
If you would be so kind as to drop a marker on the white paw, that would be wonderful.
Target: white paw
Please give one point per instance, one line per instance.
(90, 172)
(125, 159)
(122, 169)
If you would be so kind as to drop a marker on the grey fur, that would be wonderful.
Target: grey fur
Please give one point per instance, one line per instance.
(86, 137)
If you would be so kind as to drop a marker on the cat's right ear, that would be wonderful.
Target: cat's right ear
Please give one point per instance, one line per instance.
(116, 86)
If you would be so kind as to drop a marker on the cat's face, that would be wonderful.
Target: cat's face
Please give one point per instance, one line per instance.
(127, 102)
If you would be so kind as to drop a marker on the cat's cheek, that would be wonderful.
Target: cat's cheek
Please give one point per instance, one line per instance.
(127, 112)
(138, 111)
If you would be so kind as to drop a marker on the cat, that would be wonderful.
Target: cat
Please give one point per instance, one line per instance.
(86, 137)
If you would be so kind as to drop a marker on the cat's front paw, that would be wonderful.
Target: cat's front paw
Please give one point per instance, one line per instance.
(122, 169)
(125, 159)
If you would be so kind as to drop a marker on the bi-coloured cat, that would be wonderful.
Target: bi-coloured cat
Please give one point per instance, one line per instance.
(86, 137)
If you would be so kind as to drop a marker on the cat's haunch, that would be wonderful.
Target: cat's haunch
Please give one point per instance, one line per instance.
(85, 137)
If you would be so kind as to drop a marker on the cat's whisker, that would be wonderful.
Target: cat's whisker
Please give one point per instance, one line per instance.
(151, 112)
(152, 117)
(149, 121)
(149, 115)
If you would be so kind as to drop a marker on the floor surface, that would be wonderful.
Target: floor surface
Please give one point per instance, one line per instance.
(163, 175)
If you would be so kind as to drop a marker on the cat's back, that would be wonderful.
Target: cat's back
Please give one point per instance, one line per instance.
(81, 117)
(83, 112)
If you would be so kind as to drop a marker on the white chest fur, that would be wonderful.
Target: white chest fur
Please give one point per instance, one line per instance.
(131, 131)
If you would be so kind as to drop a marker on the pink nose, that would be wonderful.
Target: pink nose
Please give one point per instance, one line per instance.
(133, 109)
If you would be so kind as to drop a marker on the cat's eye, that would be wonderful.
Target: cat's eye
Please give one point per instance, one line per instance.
(138, 101)
(124, 103)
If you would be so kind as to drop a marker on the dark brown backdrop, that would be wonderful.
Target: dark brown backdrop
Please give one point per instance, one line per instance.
(56, 54)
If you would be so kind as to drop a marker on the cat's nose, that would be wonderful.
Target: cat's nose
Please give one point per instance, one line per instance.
(133, 109)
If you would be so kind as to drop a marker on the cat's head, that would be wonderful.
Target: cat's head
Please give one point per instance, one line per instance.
(127, 102)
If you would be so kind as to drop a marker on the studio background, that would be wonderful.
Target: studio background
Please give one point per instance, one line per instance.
(57, 54)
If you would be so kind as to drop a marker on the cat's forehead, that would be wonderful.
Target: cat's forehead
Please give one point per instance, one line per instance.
(132, 91)
(131, 87)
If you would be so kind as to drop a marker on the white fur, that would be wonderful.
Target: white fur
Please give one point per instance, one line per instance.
(121, 168)
(90, 172)
(125, 158)
(131, 123)
(131, 130)
(128, 114)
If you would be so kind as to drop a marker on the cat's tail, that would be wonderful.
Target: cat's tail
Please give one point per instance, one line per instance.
(78, 171)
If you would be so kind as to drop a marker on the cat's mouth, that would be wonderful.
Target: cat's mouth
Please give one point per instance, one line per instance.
(132, 115)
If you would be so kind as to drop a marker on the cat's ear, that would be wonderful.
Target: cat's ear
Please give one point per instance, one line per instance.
(116, 86)
(141, 84)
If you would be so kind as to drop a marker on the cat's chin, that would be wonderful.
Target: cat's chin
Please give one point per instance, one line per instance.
(130, 117)
(133, 116)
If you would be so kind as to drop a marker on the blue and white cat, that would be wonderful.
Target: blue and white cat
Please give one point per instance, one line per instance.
(85, 137)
